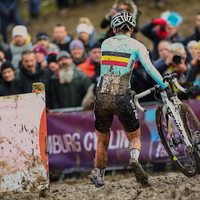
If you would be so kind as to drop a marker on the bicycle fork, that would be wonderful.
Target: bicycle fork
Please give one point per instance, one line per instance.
(169, 109)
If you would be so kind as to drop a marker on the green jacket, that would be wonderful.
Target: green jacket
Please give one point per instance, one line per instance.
(69, 94)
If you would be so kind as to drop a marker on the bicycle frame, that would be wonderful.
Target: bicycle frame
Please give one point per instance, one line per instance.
(171, 108)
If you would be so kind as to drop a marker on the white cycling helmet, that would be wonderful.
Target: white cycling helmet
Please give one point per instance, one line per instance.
(122, 18)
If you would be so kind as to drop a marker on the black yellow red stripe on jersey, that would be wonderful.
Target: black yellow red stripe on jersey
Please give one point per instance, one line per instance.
(115, 58)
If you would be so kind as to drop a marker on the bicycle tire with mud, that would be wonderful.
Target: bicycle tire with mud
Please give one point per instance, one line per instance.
(179, 166)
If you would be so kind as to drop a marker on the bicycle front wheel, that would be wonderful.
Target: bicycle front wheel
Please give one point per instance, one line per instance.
(185, 159)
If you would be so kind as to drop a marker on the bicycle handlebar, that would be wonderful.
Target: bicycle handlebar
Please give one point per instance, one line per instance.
(172, 78)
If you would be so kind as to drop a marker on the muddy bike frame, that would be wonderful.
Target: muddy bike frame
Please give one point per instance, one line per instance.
(171, 107)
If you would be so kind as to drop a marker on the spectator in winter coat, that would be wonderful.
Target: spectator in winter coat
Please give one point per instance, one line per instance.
(21, 42)
(195, 36)
(40, 55)
(86, 33)
(31, 72)
(193, 47)
(43, 40)
(8, 15)
(78, 52)
(69, 84)
(178, 61)
(8, 74)
(173, 21)
(92, 68)
(88, 67)
(62, 39)
(118, 6)
(52, 64)
(156, 35)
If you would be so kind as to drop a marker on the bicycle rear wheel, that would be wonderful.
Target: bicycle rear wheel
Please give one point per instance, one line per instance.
(186, 160)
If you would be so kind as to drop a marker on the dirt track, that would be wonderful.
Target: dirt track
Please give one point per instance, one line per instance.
(169, 186)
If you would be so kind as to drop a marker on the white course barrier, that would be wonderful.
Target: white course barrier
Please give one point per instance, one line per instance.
(23, 144)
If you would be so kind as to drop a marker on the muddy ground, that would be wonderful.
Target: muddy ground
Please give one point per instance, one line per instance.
(172, 185)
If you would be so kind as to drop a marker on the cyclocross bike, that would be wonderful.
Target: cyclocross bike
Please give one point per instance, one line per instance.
(178, 127)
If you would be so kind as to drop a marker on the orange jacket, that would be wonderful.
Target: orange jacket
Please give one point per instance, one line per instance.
(87, 67)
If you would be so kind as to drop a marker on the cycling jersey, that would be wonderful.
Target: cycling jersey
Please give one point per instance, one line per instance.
(119, 54)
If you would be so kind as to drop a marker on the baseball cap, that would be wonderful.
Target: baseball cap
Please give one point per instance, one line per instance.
(62, 54)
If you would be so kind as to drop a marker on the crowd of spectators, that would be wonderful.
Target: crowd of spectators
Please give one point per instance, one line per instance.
(69, 65)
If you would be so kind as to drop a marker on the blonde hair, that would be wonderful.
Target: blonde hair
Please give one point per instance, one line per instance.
(86, 21)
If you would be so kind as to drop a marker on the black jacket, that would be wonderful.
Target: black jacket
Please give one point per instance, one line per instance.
(195, 36)
(23, 81)
(6, 88)
(64, 46)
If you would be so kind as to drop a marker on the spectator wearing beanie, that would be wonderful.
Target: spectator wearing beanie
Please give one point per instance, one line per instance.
(43, 40)
(8, 74)
(52, 63)
(193, 47)
(40, 55)
(92, 62)
(21, 41)
(86, 33)
(78, 52)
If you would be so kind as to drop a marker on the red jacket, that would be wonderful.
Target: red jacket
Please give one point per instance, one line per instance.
(87, 68)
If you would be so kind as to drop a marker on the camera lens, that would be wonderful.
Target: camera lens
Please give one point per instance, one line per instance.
(177, 58)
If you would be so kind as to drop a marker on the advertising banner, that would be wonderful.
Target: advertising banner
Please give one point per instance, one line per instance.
(23, 144)
(72, 140)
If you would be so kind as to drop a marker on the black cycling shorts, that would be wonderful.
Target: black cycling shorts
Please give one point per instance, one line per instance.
(106, 106)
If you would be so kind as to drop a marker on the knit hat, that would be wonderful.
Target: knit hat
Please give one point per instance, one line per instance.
(51, 58)
(62, 54)
(6, 65)
(39, 49)
(42, 35)
(192, 43)
(76, 43)
(84, 28)
(127, 2)
(96, 45)
(20, 30)
(172, 18)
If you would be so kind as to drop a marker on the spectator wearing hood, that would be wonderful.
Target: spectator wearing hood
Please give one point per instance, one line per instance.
(78, 52)
(61, 37)
(43, 40)
(86, 33)
(8, 74)
(196, 35)
(21, 41)
(30, 72)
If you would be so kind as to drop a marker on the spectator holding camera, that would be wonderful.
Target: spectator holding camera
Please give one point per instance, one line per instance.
(118, 6)
(178, 61)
